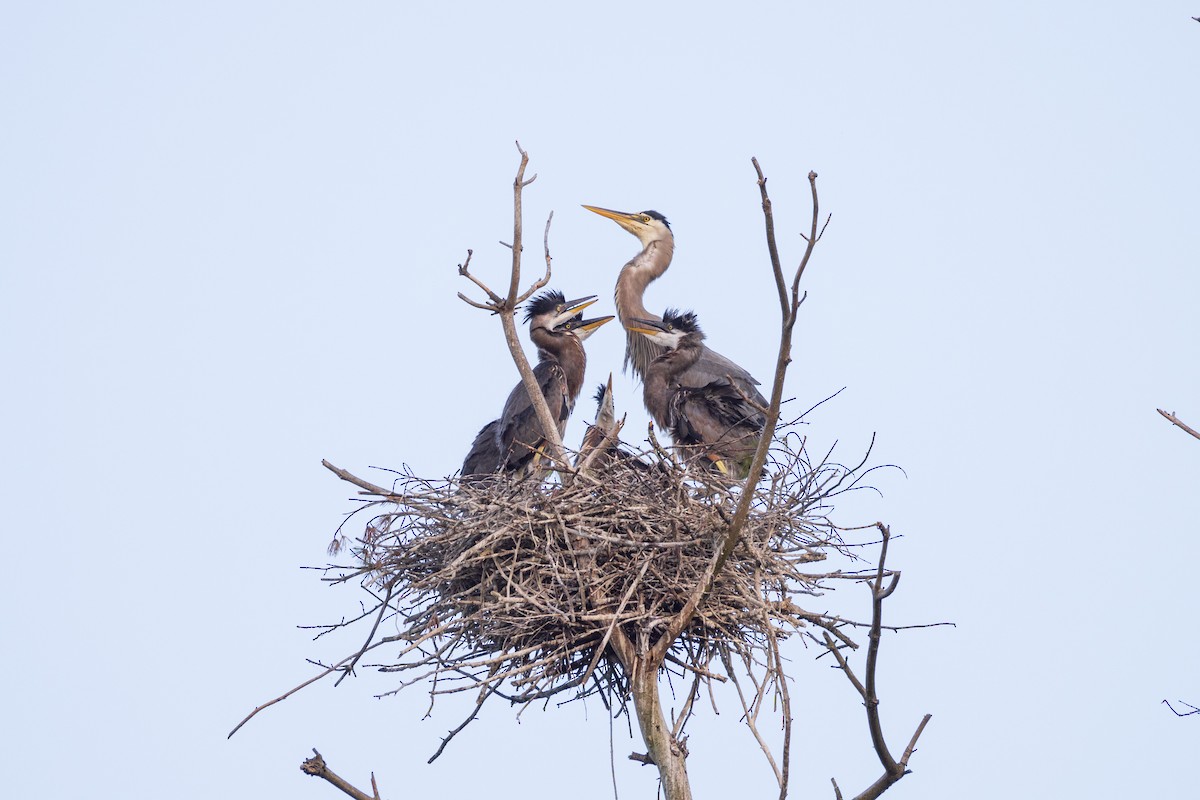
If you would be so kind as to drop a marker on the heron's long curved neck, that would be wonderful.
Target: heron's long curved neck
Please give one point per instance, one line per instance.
(635, 276)
(568, 351)
(639, 273)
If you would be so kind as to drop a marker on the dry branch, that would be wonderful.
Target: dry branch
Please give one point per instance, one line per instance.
(1177, 713)
(893, 770)
(1174, 420)
(316, 767)
(506, 308)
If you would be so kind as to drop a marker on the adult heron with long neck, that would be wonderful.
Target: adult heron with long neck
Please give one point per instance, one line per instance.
(715, 421)
(658, 248)
(513, 442)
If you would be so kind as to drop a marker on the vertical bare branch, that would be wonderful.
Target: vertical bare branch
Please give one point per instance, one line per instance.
(789, 311)
(786, 700)
(506, 309)
(750, 715)
(519, 183)
(892, 770)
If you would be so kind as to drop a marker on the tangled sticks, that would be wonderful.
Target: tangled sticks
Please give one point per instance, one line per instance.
(521, 583)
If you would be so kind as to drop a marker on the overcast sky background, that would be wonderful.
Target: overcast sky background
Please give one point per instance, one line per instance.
(228, 250)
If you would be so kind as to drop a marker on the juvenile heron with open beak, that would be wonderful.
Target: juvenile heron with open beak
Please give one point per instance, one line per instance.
(513, 442)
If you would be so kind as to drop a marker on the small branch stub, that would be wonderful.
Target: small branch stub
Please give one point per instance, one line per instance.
(317, 768)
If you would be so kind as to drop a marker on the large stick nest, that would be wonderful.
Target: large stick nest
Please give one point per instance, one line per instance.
(522, 581)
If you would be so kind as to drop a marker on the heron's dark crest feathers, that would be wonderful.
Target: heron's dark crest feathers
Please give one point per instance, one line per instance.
(544, 303)
(658, 217)
(598, 397)
(682, 321)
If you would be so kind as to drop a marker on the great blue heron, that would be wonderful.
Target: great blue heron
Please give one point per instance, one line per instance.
(557, 328)
(715, 420)
(658, 246)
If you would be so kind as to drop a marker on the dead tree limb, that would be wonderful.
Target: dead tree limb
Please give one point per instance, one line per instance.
(893, 770)
(1174, 420)
(1194, 710)
(506, 308)
(789, 308)
(317, 767)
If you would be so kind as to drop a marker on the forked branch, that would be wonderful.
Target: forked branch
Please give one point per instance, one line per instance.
(506, 308)
(789, 308)
(893, 770)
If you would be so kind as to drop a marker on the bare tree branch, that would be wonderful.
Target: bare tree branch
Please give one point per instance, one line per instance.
(1174, 420)
(892, 770)
(506, 308)
(464, 269)
(1194, 710)
(311, 680)
(484, 694)
(369, 487)
(788, 312)
(316, 767)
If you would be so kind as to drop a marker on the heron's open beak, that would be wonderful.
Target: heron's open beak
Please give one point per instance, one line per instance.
(587, 327)
(630, 222)
(572, 308)
(650, 327)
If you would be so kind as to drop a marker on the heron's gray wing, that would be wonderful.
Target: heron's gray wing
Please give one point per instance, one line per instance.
(484, 457)
(711, 413)
(719, 420)
(714, 367)
(519, 427)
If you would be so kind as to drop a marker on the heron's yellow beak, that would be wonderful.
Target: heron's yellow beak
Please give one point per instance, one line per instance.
(608, 212)
(634, 223)
(590, 325)
(650, 327)
(572, 308)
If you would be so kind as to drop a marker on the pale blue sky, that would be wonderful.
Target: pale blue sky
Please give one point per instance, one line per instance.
(228, 251)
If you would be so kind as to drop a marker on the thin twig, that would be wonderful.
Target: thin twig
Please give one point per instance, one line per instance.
(496, 301)
(357, 481)
(1194, 710)
(483, 696)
